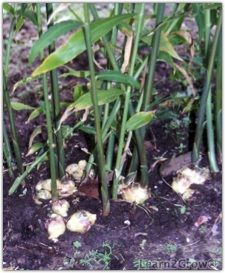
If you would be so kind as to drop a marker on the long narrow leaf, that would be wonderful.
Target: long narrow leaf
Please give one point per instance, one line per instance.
(18, 106)
(20, 178)
(139, 120)
(51, 35)
(104, 96)
(76, 43)
(116, 76)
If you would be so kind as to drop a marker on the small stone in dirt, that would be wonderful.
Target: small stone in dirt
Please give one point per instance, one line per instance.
(174, 164)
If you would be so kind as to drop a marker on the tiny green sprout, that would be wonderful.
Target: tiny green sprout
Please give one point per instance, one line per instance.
(77, 244)
(181, 147)
(98, 259)
(142, 244)
(202, 229)
(170, 248)
(183, 209)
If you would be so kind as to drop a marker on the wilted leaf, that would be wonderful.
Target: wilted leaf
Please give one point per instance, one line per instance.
(127, 53)
(21, 82)
(34, 148)
(116, 76)
(75, 45)
(166, 46)
(18, 106)
(183, 34)
(34, 114)
(139, 120)
(60, 8)
(186, 76)
(36, 132)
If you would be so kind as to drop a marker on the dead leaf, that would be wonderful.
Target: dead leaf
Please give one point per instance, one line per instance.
(127, 53)
(202, 220)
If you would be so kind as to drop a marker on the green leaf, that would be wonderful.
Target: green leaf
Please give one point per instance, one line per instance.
(165, 57)
(32, 16)
(88, 129)
(139, 120)
(67, 130)
(9, 8)
(50, 36)
(104, 96)
(76, 43)
(75, 73)
(166, 46)
(77, 92)
(116, 76)
(34, 148)
(19, 23)
(18, 106)
(29, 168)
(34, 114)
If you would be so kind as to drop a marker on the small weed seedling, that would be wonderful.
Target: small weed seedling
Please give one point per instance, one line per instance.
(142, 244)
(97, 259)
(170, 248)
(94, 259)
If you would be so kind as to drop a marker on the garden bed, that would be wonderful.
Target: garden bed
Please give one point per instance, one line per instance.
(165, 233)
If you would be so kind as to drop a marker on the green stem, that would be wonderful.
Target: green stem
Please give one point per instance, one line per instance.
(56, 103)
(203, 101)
(51, 143)
(210, 129)
(7, 151)
(106, 44)
(126, 104)
(210, 135)
(153, 58)
(15, 139)
(101, 157)
(218, 100)
(28, 170)
(9, 45)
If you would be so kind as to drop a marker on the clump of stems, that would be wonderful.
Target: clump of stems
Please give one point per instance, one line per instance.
(51, 143)
(118, 166)
(7, 151)
(204, 97)
(56, 104)
(14, 135)
(218, 100)
(101, 157)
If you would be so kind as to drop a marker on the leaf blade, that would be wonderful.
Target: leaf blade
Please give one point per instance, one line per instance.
(18, 106)
(104, 96)
(76, 44)
(50, 36)
(139, 120)
(116, 76)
